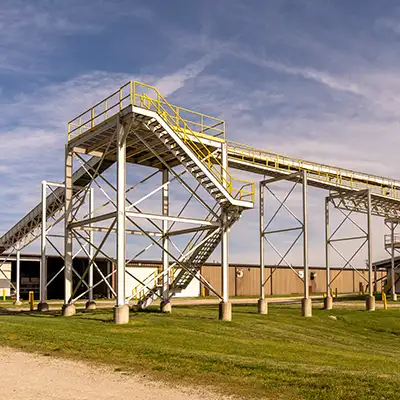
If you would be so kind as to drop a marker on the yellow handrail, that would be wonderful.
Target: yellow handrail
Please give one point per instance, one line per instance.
(187, 129)
(324, 173)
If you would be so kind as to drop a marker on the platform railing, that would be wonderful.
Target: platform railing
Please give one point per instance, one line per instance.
(181, 120)
(325, 173)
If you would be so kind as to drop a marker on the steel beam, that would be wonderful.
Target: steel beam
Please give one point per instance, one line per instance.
(43, 242)
(165, 241)
(121, 218)
(68, 308)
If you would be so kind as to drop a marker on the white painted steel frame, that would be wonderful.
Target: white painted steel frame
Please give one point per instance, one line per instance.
(363, 197)
(302, 227)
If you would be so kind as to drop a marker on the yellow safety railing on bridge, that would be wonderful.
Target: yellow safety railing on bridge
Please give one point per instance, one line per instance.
(325, 173)
(192, 127)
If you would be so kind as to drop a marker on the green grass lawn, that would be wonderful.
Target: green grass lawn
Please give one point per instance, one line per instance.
(277, 356)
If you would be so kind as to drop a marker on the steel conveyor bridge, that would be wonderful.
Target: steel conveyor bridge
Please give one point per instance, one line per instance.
(385, 192)
(163, 136)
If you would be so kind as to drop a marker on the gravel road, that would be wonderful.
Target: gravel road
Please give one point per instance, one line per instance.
(26, 376)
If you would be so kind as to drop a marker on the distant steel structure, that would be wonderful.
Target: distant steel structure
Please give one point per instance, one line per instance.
(136, 125)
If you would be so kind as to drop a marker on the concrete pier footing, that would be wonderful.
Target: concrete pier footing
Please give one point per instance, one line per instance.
(394, 296)
(90, 305)
(262, 306)
(17, 303)
(121, 314)
(68, 310)
(166, 307)
(306, 307)
(225, 311)
(370, 303)
(43, 307)
(328, 303)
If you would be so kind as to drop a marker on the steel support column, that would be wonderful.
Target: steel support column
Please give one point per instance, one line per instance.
(262, 301)
(370, 302)
(165, 302)
(392, 254)
(225, 307)
(68, 307)
(42, 306)
(306, 304)
(121, 310)
(18, 278)
(328, 301)
(91, 304)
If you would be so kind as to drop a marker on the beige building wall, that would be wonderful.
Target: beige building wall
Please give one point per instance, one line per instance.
(245, 281)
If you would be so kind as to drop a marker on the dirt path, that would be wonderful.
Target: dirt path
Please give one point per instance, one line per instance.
(31, 377)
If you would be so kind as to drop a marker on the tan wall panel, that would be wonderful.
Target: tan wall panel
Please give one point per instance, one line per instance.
(283, 281)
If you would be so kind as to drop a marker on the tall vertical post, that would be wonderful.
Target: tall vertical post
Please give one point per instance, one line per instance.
(42, 305)
(262, 301)
(225, 307)
(328, 301)
(370, 301)
(121, 310)
(68, 307)
(306, 308)
(18, 278)
(91, 304)
(165, 302)
(392, 274)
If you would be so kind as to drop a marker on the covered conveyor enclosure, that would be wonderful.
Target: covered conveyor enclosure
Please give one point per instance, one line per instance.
(136, 125)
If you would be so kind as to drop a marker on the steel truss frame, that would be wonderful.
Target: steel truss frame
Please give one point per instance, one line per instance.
(52, 215)
(360, 200)
(48, 238)
(124, 212)
(299, 178)
(391, 247)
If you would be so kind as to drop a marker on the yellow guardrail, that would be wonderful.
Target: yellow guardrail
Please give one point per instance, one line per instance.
(191, 126)
(155, 278)
(325, 173)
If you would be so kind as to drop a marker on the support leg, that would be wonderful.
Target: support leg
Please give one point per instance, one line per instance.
(225, 307)
(121, 310)
(43, 306)
(306, 308)
(328, 302)
(91, 304)
(165, 302)
(262, 301)
(370, 302)
(18, 279)
(392, 273)
(68, 307)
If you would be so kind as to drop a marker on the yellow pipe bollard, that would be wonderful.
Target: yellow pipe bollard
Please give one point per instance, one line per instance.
(4, 295)
(32, 300)
(384, 300)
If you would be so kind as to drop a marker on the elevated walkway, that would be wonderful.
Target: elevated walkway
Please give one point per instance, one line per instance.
(161, 135)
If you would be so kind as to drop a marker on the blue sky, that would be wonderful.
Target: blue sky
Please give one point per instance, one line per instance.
(311, 79)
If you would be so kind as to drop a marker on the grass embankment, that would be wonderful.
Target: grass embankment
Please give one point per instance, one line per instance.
(278, 356)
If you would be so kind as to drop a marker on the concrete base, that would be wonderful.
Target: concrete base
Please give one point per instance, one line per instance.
(394, 296)
(121, 314)
(18, 303)
(262, 306)
(306, 307)
(68, 310)
(90, 305)
(43, 307)
(166, 307)
(370, 303)
(225, 311)
(328, 303)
